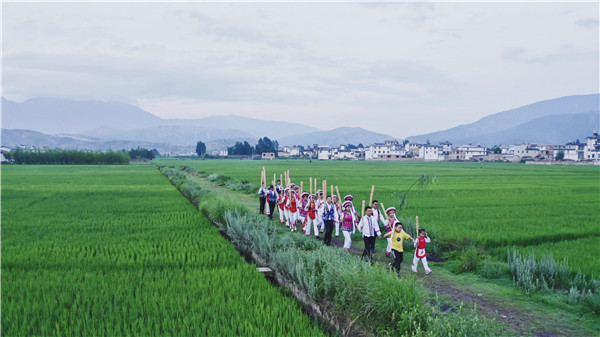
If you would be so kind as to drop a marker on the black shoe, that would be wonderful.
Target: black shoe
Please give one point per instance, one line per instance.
(373, 250)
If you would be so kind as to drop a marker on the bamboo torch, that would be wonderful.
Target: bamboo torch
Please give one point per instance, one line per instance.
(301, 188)
(384, 212)
(372, 192)
(288, 178)
(311, 185)
(332, 192)
(362, 210)
(262, 181)
(316, 186)
(324, 189)
(281, 179)
(417, 221)
(337, 190)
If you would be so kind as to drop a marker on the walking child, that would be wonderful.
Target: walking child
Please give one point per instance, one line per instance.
(347, 220)
(389, 227)
(420, 253)
(302, 208)
(311, 215)
(397, 237)
(262, 194)
(281, 204)
(293, 210)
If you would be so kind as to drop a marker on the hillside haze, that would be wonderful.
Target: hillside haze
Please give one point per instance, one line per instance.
(558, 121)
(59, 116)
(336, 137)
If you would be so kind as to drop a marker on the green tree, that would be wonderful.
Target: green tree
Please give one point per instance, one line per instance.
(141, 153)
(560, 155)
(240, 149)
(496, 149)
(266, 145)
(200, 149)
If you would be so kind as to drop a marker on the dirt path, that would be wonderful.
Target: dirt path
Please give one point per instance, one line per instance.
(518, 321)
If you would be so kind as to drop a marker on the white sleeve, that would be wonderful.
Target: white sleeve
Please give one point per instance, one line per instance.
(428, 240)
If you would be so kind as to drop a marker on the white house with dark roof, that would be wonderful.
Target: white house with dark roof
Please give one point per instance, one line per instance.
(574, 152)
(324, 152)
(470, 151)
(390, 150)
(431, 152)
(592, 148)
(446, 147)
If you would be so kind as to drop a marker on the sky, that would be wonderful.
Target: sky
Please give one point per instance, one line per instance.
(400, 69)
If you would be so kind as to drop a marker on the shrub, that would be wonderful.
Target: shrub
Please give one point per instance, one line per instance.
(531, 274)
(491, 269)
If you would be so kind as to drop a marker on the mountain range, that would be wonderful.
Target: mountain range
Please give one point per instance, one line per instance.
(555, 121)
(111, 125)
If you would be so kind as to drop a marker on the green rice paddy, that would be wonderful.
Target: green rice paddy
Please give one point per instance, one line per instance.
(117, 251)
(539, 209)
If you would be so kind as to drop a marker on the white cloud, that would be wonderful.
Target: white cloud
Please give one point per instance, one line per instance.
(421, 67)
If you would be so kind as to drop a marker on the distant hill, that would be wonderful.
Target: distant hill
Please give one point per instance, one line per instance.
(176, 134)
(13, 138)
(59, 116)
(336, 137)
(544, 130)
(53, 116)
(518, 125)
(257, 127)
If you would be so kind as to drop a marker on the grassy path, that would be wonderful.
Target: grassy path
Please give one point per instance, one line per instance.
(521, 315)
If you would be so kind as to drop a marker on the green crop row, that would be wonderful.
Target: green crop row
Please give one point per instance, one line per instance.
(493, 205)
(371, 298)
(116, 251)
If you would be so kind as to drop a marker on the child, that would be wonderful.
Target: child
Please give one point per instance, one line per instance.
(292, 209)
(398, 235)
(389, 227)
(302, 208)
(311, 215)
(336, 222)
(281, 200)
(348, 228)
(420, 253)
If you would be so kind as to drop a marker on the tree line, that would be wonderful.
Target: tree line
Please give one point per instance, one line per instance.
(78, 157)
(244, 148)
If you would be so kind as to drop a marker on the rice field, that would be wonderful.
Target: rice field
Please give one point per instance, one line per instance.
(540, 209)
(117, 251)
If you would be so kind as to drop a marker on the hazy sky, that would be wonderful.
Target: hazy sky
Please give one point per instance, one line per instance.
(396, 68)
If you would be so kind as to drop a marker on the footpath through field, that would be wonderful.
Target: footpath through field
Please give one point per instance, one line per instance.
(519, 313)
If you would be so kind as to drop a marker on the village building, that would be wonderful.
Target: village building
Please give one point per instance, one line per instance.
(412, 149)
(574, 151)
(295, 151)
(446, 147)
(268, 155)
(431, 153)
(324, 153)
(390, 150)
(592, 148)
(471, 150)
(455, 155)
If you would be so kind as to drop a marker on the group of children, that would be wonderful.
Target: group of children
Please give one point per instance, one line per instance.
(323, 215)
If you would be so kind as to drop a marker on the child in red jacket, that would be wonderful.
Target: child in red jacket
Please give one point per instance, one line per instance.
(420, 253)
